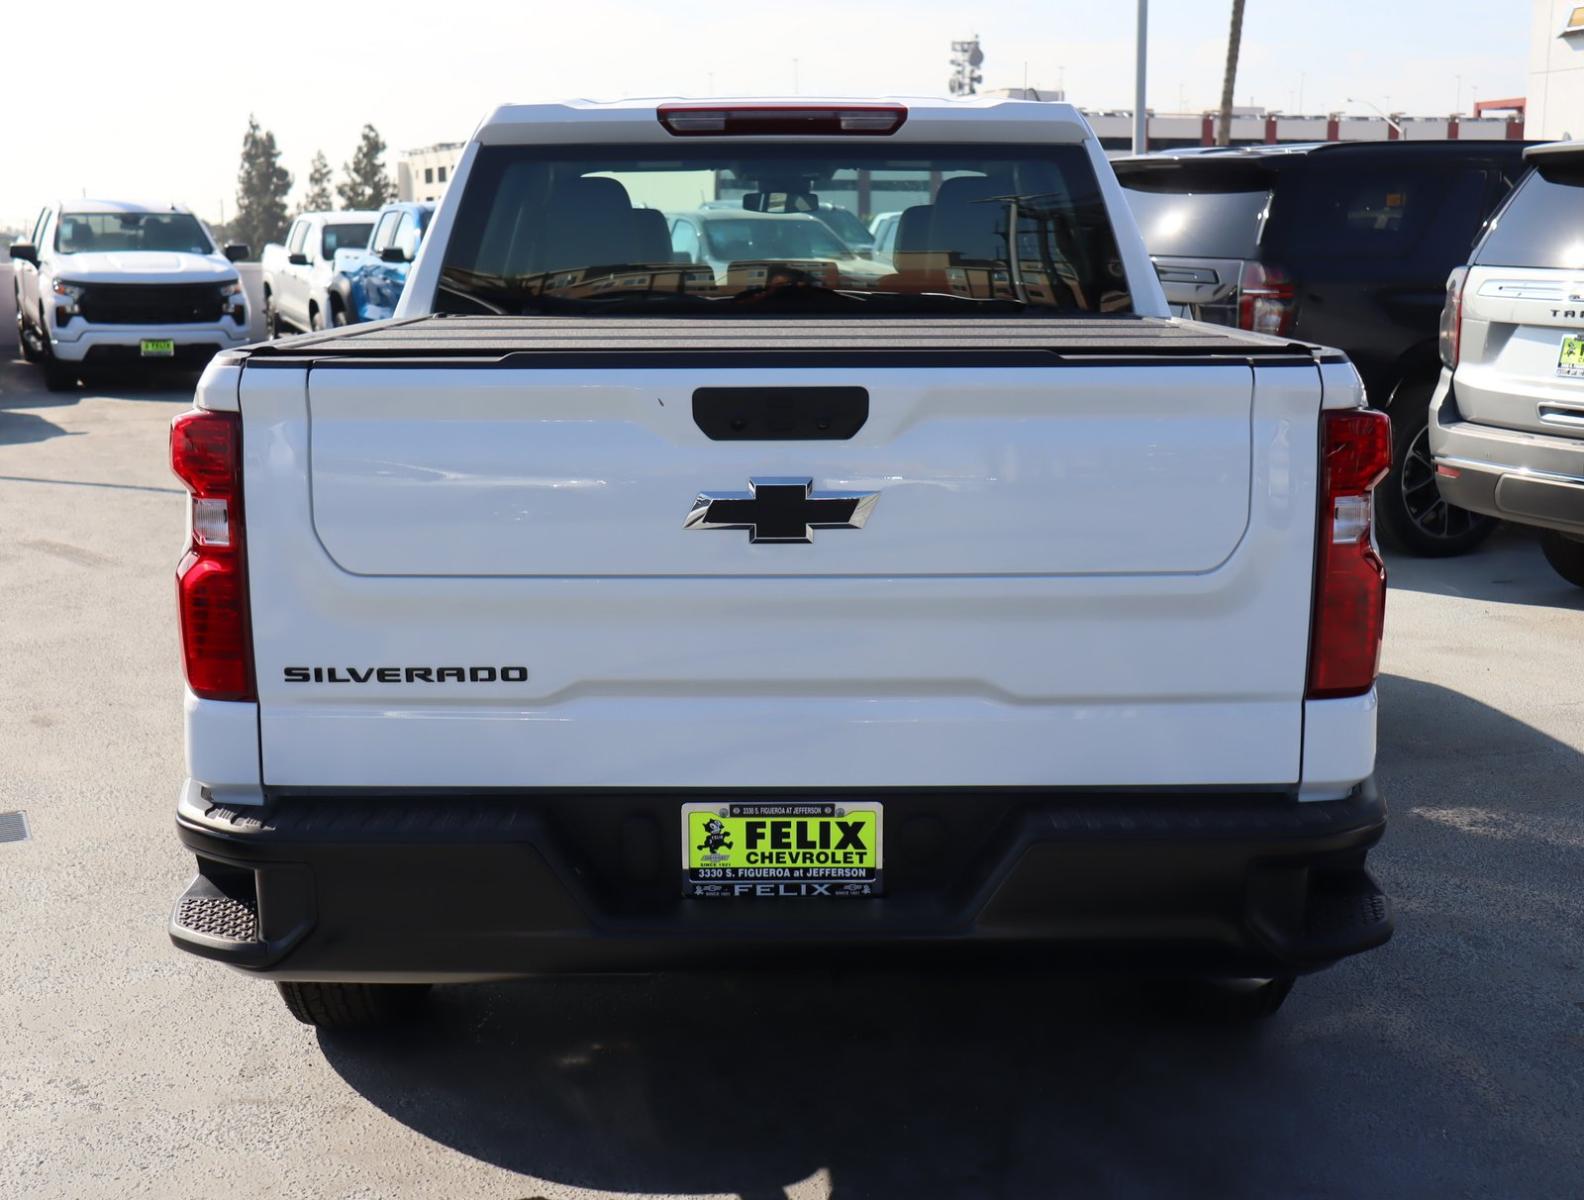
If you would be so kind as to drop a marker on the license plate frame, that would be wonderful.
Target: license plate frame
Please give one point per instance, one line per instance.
(157, 348)
(783, 849)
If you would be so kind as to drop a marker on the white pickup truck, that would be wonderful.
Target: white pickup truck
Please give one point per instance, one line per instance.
(299, 274)
(606, 610)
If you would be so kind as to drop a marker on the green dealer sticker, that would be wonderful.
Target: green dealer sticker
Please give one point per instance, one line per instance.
(1570, 358)
(781, 849)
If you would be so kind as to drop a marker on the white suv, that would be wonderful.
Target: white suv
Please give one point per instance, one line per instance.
(107, 283)
(1507, 428)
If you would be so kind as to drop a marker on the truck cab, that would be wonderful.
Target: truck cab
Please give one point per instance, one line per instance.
(298, 274)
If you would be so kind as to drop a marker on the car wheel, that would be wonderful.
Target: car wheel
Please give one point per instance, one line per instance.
(272, 325)
(353, 1005)
(1408, 506)
(30, 352)
(315, 319)
(338, 316)
(1565, 554)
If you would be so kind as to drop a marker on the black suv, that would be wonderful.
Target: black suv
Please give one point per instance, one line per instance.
(1345, 244)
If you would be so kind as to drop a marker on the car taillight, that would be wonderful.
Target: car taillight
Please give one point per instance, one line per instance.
(211, 581)
(1350, 585)
(1452, 318)
(726, 120)
(1267, 300)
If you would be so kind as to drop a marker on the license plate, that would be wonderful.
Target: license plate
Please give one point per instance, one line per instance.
(781, 849)
(157, 348)
(1570, 357)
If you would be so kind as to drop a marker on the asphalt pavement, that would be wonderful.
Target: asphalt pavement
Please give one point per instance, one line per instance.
(1449, 1063)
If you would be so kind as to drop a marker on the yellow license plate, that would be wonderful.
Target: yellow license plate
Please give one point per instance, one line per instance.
(776, 849)
(157, 347)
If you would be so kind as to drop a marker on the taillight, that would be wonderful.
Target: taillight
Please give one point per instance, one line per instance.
(1350, 587)
(1267, 300)
(211, 581)
(1452, 318)
(726, 120)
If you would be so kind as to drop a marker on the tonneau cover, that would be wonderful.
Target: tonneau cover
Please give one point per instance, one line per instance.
(1087, 338)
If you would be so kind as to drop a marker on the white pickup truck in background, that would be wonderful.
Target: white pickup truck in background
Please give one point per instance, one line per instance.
(615, 609)
(298, 276)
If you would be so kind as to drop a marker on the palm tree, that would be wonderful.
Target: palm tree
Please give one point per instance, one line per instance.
(1224, 130)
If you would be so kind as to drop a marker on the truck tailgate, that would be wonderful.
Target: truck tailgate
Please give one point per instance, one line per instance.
(473, 574)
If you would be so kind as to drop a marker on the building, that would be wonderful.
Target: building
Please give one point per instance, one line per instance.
(1173, 131)
(1556, 71)
(424, 174)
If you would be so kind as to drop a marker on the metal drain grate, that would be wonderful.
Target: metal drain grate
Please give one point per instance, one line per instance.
(13, 827)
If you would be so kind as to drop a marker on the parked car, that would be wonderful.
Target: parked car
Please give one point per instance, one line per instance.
(1507, 425)
(723, 238)
(1344, 244)
(298, 275)
(846, 225)
(110, 283)
(573, 623)
(882, 234)
(367, 280)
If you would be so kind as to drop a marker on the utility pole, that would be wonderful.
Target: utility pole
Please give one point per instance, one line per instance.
(1229, 80)
(1140, 59)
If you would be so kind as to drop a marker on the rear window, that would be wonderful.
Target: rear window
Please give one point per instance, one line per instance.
(1345, 210)
(735, 230)
(1200, 224)
(1542, 225)
(342, 234)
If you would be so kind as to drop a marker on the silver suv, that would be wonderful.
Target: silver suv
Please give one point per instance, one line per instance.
(1507, 427)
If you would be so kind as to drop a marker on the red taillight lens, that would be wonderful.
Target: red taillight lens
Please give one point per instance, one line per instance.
(1350, 588)
(727, 120)
(211, 581)
(1452, 318)
(1267, 300)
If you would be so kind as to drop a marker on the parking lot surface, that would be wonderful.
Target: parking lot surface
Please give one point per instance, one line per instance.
(1449, 1063)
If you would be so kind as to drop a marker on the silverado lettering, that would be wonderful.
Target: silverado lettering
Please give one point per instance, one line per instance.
(405, 674)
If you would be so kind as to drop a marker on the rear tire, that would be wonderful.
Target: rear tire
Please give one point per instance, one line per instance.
(1409, 509)
(315, 320)
(353, 1005)
(338, 316)
(272, 322)
(1565, 554)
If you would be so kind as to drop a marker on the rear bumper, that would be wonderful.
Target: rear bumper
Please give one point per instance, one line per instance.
(1531, 478)
(469, 887)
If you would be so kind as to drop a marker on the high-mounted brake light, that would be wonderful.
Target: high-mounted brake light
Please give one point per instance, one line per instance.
(1452, 318)
(1267, 300)
(728, 120)
(1350, 586)
(211, 581)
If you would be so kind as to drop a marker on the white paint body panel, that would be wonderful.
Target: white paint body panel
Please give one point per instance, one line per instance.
(745, 673)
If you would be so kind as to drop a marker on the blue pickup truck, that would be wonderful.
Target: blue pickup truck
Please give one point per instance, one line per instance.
(369, 279)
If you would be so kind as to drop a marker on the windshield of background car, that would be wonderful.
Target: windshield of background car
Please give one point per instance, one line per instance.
(99, 232)
(346, 233)
(1542, 225)
(735, 230)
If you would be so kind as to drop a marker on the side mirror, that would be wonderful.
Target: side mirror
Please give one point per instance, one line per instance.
(25, 251)
(297, 260)
(236, 252)
(393, 254)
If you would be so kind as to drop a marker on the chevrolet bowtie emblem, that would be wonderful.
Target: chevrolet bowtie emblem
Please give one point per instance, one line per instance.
(781, 510)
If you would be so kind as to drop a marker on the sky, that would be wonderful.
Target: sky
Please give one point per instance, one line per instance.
(151, 103)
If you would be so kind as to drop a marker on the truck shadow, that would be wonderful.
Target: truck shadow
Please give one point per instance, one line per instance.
(1410, 1071)
(1507, 569)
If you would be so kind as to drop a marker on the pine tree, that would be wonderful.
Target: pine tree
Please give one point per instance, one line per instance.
(318, 197)
(365, 184)
(262, 185)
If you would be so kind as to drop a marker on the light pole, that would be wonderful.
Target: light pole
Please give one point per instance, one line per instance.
(1140, 114)
(1387, 117)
